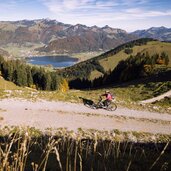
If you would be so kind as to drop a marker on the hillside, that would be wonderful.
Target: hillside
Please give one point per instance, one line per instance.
(80, 38)
(109, 60)
(7, 85)
(33, 31)
(58, 37)
(151, 47)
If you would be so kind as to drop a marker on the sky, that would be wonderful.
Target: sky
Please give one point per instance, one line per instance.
(129, 15)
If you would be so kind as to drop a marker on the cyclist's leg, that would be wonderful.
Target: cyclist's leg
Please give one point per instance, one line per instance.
(106, 102)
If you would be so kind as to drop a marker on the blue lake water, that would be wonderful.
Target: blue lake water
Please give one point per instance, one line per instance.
(55, 61)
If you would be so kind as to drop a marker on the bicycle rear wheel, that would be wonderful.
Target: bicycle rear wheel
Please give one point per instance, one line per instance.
(92, 106)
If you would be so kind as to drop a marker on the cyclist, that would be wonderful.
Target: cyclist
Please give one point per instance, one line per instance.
(108, 97)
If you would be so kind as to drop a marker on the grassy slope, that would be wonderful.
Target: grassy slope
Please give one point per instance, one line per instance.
(6, 85)
(109, 63)
(151, 47)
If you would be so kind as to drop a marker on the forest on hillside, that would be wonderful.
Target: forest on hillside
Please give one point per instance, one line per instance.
(134, 67)
(22, 74)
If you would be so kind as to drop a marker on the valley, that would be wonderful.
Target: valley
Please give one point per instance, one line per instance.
(85, 85)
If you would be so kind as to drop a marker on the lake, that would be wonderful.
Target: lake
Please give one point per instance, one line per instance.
(55, 61)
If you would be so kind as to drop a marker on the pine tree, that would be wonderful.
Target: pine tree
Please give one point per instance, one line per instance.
(29, 76)
(55, 81)
(46, 81)
(21, 75)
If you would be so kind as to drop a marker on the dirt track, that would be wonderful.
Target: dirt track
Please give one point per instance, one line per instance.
(167, 94)
(45, 114)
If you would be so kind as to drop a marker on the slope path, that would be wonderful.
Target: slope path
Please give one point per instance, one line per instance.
(50, 114)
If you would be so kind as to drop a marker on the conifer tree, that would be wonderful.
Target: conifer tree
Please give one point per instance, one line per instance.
(29, 76)
(46, 81)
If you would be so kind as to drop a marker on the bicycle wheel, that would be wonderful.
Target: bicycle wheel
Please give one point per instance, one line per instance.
(92, 106)
(112, 107)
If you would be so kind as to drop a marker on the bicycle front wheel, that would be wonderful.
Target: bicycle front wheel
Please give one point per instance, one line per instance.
(112, 107)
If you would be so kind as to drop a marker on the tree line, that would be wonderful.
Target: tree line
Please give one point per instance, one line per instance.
(81, 70)
(22, 74)
(138, 66)
(134, 67)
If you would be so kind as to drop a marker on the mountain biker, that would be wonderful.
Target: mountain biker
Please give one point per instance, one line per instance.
(108, 97)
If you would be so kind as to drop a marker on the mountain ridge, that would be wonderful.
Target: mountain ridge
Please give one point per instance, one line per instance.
(55, 37)
(161, 33)
(60, 38)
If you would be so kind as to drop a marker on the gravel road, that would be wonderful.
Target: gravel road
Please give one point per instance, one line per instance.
(50, 114)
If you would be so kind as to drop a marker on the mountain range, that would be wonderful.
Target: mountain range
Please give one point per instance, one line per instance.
(159, 33)
(57, 37)
(61, 38)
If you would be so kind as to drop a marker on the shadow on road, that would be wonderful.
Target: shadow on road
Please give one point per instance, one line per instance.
(86, 101)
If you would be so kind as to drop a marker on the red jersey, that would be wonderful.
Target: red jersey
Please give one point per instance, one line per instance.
(108, 96)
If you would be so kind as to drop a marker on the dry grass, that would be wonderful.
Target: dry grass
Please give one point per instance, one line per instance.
(7, 85)
(86, 150)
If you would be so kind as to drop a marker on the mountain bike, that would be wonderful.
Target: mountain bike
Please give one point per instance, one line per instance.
(100, 105)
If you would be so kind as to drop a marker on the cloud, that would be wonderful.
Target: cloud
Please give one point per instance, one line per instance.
(78, 5)
(100, 10)
(137, 13)
(127, 7)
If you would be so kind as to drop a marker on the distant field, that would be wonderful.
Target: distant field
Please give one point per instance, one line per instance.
(21, 51)
(86, 55)
(28, 49)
